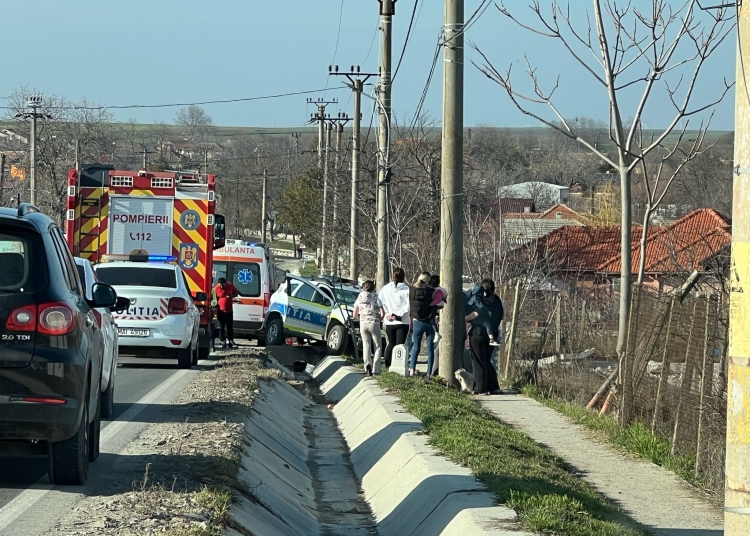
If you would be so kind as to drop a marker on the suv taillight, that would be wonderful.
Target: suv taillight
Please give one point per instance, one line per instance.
(177, 306)
(22, 319)
(266, 300)
(56, 318)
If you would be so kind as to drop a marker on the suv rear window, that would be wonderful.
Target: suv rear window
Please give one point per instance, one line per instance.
(137, 277)
(15, 259)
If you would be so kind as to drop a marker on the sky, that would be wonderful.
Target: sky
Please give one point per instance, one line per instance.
(182, 51)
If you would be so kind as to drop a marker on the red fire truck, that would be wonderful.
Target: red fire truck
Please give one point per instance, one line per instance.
(165, 215)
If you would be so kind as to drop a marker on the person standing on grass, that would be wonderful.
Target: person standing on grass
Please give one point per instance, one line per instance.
(422, 313)
(395, 299)
(438, 301)
(226, 293)
(369, 311)
(484, 320)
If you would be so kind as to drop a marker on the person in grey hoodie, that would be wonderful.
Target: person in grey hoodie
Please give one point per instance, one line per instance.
(395, 299)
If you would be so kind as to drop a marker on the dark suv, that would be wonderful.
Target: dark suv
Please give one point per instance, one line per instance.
(51, 347)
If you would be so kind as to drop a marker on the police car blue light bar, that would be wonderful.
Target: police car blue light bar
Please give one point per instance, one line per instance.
(137, 257)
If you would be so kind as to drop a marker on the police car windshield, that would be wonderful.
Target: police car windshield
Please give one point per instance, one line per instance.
(346, 296)
(140, 277)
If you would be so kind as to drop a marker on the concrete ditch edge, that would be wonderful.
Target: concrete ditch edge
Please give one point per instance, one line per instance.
(411, 489)
(295, 475)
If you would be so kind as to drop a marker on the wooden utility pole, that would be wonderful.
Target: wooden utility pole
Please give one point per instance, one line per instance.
(452, 184)
(737, 493)
(387, 10)
(357, 80)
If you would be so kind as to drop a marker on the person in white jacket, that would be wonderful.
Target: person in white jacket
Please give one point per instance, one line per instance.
(395, 299)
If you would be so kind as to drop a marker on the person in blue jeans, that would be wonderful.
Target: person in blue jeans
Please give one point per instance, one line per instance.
(422, 312)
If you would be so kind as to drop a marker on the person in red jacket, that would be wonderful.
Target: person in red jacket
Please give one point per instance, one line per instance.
(225, 296)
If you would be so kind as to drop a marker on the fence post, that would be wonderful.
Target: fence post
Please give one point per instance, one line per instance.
(686, 381)
(513, 326)
(664, 374)
(627, 385)
(707, 379)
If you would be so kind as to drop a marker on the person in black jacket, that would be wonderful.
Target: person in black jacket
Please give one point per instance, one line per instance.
(485, 321)
(422, 312)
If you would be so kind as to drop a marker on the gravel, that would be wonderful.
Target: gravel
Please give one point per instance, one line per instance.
(179, 463)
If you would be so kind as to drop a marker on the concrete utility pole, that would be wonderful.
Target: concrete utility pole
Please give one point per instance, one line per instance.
(737, 493)
(452, 185)
(320, 117)
(263, 208)
(324, 230)
(341, 120)
(357, 85)
(35, 101)
(387, 10)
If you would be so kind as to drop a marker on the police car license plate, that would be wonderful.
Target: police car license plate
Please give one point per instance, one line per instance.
(133, 332)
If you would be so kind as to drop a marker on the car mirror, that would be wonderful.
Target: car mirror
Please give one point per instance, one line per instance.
(121, 305)
(104, 295)
(200, 296)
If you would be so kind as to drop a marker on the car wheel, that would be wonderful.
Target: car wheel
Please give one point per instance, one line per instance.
(108, 396)
(68, 460)
(337, 340)
(185, 358)
(275, 333)
(95, 432)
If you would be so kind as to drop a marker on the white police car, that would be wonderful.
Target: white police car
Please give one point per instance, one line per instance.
(315, 309)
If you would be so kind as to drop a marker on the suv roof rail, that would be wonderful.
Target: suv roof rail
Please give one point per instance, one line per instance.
(26, 208)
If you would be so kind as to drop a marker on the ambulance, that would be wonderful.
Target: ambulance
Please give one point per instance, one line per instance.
(251, 268)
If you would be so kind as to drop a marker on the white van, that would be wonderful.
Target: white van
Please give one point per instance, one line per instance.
(250, 267)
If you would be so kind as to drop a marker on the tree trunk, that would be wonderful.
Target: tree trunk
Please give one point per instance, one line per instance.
(625, 255)
(644, 235)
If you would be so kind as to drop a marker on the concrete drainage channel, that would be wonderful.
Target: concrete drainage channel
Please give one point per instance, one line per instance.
(362, 469)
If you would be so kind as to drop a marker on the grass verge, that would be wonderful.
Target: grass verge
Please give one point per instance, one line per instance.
(528, 478)
(309, 270)
(635, 439)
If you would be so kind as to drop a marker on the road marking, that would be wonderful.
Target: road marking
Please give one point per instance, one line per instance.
(28, 498)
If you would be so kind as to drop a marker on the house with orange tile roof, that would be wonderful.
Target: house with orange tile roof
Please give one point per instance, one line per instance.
(589, 257)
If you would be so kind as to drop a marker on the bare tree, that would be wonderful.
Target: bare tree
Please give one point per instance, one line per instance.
(623, 49)
(195, 121)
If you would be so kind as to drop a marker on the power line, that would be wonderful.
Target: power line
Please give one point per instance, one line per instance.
(406, 41)
(175, 104)
(336, 48)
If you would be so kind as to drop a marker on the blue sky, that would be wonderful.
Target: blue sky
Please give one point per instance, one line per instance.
(166, 51)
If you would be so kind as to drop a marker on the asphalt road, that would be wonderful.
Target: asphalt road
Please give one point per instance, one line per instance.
(29, 504)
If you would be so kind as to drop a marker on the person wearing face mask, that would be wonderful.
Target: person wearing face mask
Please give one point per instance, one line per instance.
(486, 313)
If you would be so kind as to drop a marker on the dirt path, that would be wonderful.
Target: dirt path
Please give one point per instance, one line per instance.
(651, 495)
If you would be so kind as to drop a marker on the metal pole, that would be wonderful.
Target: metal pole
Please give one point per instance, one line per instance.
(387, 10)
(78, 157)
(263, 208)
(32, 157)
(737, 494)
(354, 231)
(323, 234)
(451, 213)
